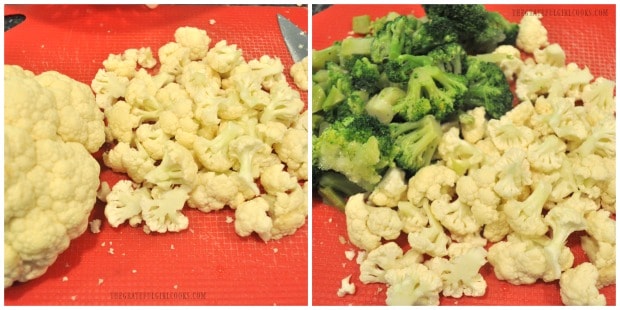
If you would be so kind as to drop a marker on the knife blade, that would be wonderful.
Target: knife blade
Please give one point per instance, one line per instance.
(13, 20)
(296, 40)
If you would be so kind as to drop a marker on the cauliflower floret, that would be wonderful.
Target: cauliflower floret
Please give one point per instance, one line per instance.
(379, 261)
(460, 275)
(162, 213)
(390, 190)
(413, 218)
(346, 287)
(458, 154)
(578, 286)
(546, 154)
(357, 214)
(251, 216)
(124, 203)
(473, 125)
(288, 211)
(224, 57)
(552, 54)
(525, 217)
(213, 191)
(532, 34)
(293, 151)
(269, 71)
(563, 222)
(598, 99)
(455, 216)
(108, 88)
(432, 239)
(243, 149)
(135, 162)
(511, 62)
(123, 65)
(274, 179)
(196, 40)
(513, 173)
(284, 105)
(299, 73)
(603, 256)
(517, 261)
(432, 182)
(506, 135)
(214, 154)
(173, 57)
(176, 168)
(153, 139)
(412, 285)
(476, 190)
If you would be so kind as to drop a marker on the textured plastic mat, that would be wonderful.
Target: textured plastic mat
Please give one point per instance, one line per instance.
(208, 264)
(588, 35)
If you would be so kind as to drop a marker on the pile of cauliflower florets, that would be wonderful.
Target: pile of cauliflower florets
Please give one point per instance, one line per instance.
(209, 129)
(508, 191)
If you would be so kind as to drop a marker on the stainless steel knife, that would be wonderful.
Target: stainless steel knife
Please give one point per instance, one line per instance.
(296, 39)
(13, 20)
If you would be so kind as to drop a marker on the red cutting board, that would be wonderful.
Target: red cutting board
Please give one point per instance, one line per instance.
(208, 264)
(587, 40)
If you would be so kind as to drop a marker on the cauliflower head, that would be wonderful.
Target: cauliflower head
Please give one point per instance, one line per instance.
(50, 184)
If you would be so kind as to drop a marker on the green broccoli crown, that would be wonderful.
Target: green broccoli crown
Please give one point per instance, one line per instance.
(431, 34)
(431, 91)
(358, 146)
(450, 57)
(478, 30)
(398, 69)
(365, 75)
(487, 87)
(394, 38)
(415, 143)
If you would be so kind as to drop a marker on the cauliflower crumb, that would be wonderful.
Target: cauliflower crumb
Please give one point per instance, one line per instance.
(211, 21)
(65, 279)
(350, 254)
(346, 287)
(330, 220)
(229, 219)
(74, 297)
(95, 226)
(172, 246)
(176, 286)
(111, 251)
(275, 250)
(102, 244)
(100, 281)
(134, 271)
(342, 240)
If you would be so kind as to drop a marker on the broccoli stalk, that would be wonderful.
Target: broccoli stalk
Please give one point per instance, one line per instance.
(415, 143)
(431, 91)
(320, 58)
(334, 189)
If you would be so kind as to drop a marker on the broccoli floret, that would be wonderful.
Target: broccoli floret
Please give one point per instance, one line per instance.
(365, 75)
(479, 30)
(487, 87)
(449, 58)
(398, 69)
(381, 105)
(394, 38)
(415, 143)
(336, 84)
(320, 58)
(431, 91)
(431, 34)
(358, 146)
(380, 22)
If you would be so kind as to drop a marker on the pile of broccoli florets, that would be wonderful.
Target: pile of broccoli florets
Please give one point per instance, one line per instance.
(379, 98)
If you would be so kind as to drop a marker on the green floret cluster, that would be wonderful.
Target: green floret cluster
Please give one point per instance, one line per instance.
(379, 97)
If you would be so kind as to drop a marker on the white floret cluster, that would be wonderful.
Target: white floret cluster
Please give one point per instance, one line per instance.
(206, 129)
(506, 191)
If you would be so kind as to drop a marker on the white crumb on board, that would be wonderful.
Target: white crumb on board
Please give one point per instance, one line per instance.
(211, 21)
(361, 256)
(74, 297)
(229, 219)
(275, 250)
(95, 226)
(100, 281)
(172, 246)
(65, 279)
(342, 240)
(350, 254)
(134, 271)
(111, 251)
(346, 287)
(176, 286)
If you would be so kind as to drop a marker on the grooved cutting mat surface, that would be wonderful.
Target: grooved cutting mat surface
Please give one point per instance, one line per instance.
(589, 40)
(207, 264)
